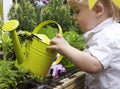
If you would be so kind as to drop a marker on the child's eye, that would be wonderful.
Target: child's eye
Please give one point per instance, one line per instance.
(76, 12)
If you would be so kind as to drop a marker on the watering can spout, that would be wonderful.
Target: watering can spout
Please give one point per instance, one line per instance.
(10, 26)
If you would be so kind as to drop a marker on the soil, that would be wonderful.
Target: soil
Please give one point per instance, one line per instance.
(48, 84)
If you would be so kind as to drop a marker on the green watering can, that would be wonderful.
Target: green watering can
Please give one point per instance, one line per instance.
(38, 58)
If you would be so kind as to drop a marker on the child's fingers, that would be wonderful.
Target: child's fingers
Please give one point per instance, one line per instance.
(59, 36)
(53, 41)
(52, 47)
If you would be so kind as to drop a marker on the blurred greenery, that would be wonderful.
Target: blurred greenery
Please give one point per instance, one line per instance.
(0, 36)
(6, 40)
(60, 12)
(0, 31)
(30, 16)
(48, 31)
(25, 13)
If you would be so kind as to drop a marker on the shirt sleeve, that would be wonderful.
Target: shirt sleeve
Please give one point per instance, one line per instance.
(101, 49)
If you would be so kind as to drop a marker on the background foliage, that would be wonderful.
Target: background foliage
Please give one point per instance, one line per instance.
(30, 16)
(0, 36)
(25, 12)
(60, 12)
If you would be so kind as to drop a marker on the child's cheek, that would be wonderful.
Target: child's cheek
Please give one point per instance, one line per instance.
(83, 23)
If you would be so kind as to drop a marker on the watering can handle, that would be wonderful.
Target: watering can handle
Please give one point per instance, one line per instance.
(45, 23)
(60, 32)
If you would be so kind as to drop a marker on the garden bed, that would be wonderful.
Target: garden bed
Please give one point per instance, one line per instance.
(74, 80)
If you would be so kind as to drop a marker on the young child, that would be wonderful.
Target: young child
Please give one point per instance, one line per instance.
(101, 29)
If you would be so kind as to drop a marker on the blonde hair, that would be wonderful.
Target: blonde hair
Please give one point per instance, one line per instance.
(111, 8)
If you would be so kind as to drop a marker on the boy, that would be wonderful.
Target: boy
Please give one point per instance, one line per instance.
(101, 29)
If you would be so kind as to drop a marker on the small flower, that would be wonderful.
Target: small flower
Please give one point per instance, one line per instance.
(45, 1)
(56, 70)
(40, 3)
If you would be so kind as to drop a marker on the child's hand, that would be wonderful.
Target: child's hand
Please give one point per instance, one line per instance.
(59, 44)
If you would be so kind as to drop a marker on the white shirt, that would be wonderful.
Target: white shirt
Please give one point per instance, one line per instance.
(103, 42)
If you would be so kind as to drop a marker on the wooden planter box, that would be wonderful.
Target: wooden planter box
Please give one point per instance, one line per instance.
(75, 81)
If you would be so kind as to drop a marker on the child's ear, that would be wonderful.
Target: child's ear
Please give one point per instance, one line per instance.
(99, 9)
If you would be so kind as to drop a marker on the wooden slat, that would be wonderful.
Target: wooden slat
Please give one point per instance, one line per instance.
(75, 84)
(73, 81)
(80, 87)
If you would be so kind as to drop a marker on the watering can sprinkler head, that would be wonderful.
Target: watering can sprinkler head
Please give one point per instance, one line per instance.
(10, 25)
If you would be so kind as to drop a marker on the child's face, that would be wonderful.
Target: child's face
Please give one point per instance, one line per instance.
(84, 18)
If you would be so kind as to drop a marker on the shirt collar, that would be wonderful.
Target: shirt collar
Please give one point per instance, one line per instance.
(98, 28)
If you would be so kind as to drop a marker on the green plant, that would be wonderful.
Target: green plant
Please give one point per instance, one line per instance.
(7, 75)
(11, 76)
(48, 31)
(75, 39)
(5, 44)
(24, 75)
